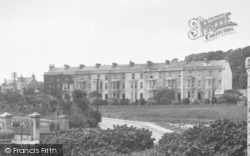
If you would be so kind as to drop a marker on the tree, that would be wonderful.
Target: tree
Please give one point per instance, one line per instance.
(164, 96)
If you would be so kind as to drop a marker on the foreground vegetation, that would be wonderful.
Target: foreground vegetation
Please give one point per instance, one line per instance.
(220, 138)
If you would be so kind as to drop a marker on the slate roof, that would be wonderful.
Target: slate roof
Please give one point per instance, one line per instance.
(174, 65)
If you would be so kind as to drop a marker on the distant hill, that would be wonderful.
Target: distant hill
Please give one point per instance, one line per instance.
(236, 60)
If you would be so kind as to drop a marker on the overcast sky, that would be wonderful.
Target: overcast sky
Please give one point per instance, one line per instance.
(36, 33)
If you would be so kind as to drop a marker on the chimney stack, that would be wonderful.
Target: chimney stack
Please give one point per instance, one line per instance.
(149, 63)
(97, 65)
(131, 64)
(81, 66)
(114, 64)
(66, 66)
(51, 66)
(167, 62)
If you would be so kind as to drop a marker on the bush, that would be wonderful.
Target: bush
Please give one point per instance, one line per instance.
(214, 100)
(195, 102)
(142, 101)
(228, 98)
(93, 118)
(77, 121)
(164, 96)
(185, 101)
(151, 102)
(165, 101)
(206, 101)
(222, 137)
(175, 102)
(126, 102)
(121, 139)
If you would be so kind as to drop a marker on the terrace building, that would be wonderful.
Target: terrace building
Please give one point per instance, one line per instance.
(190, 79)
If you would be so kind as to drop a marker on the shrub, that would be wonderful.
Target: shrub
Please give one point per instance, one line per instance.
(195, 102)
(214, 100)
(151, 102)
(175, 102)
(185, 101)
(164, 96)
(126, 102)
(121, 139)
(222, 137)
(77, 121)
(206, 101)
(228, 98)
(93, 118)
(142, 101)
(165, 101)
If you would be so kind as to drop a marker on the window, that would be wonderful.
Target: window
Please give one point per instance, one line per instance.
(101, 86)
(141, 85)
(189, 94)
(190, 73)
(123, 76)
(141, 95)
(106, 77)
(118, 85)
(135, 85)
(114, 94)
(106, 85)
(123, 85)
(209, 83)
(209, 94)
(82, 77)
(106, 96)
(219, 72)
(132, 85)
(169, 74)
(89, 77)
(89, 85)
(189, 83)
(115, 76)
(58, 79)
(159, 75)
(199, 83)
(141, 76)
(98, 76)
(114, 85)
(132, 96)
(179, 83)
(133, 76)
(210, 73)
(219, 82)
(136, 95)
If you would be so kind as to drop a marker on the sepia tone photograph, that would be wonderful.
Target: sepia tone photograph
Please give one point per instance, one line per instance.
(124, 77)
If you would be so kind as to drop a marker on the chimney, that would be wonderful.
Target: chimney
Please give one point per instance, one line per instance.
(33, 76)
(81, 66)
(51, 67)
(97, 65)
(187, 60)
(66, 66)
(131, 64)
(149, 63)
(167, 62)
(114, 64)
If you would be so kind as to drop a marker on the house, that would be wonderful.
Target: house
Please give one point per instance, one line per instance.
(189, 79)
(27, 82)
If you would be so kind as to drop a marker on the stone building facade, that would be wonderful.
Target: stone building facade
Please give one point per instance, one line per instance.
(189, 79)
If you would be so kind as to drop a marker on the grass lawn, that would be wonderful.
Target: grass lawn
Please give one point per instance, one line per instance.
(176, 114)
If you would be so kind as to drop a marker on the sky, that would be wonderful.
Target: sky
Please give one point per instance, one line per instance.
(37, 33)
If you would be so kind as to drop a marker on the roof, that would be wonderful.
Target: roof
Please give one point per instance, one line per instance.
(126, 67)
